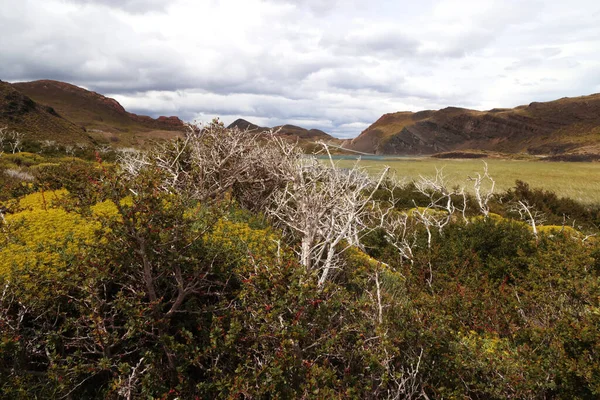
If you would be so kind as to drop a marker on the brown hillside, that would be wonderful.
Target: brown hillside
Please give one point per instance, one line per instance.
(20, 113)
(243, 125)
(301, 133)
(291, 131)
(102, 116)
(568, 125)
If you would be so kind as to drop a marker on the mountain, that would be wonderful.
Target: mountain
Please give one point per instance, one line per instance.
(289, 131)
(293, 131)
(244, 125)
(102, 117)
(20, 113)
(565, 126)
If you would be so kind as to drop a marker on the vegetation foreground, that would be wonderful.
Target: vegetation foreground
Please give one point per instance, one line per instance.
(229, 265)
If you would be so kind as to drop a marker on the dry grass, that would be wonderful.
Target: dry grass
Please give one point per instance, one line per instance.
(579, 181)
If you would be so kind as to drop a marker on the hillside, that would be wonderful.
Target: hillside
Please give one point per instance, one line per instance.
(306, 138)
(20, 113)
(565, 126)
(290, 131)
(103, 117)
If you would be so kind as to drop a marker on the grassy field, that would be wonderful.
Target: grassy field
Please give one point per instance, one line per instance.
(580, 181)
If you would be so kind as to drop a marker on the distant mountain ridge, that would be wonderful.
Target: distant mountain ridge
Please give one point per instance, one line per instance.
(290, 131)
(65, 113)
(568, 125)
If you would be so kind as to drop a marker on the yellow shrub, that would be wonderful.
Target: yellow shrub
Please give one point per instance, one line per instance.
(357, 256)
(557, 229)
(41, 241)
(108, 210)
(42, 200)
(105, 209)
(239, 239)
(24, 158)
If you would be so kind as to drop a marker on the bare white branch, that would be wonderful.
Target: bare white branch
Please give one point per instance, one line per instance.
(484, 190)
(324, 206)
(529, 214)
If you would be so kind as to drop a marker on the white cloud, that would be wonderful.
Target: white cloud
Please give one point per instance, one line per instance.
(335, 65)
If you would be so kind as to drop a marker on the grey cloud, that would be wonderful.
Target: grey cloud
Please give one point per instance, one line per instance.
(131, 6)
(538, 60)
(290, 66)
(387, 42)
(316, 6)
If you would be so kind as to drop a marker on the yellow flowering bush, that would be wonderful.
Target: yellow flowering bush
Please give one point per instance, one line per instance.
(41, 238)
(108, 210)
(42, 200)
(105, 209)
(557, 230)
(240, 240)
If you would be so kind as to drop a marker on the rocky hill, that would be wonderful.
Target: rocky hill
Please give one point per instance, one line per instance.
(565, 126)
(306, 138)
(291, 131)
(102, 117)
(20, 113)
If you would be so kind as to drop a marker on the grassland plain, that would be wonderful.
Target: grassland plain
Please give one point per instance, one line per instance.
(579, 181)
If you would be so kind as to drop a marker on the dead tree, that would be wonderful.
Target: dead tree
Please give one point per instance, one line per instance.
(483, 195)
(400, 233)
(405, 382)
(213, 160)
(324, 206)
(16, 141)
(3, 137)
(529, 214)
(441, 208)
(132, 161)
(103, 149)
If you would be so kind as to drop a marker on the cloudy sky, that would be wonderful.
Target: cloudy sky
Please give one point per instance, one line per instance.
(337, 65)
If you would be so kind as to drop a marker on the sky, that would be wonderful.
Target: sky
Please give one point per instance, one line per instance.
(335, 65)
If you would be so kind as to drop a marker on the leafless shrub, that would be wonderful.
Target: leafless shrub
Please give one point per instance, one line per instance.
(441, 208)
(400, 232)
(18, 174)
(406, 382)
(103, 149)
(483, 195)
(16, 141)
(324, 206)
(131, 162)
(48, 144)
(3, 137)
(213, 160)
(529, 214)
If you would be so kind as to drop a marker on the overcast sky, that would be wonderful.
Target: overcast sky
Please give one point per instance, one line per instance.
(336, 65)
